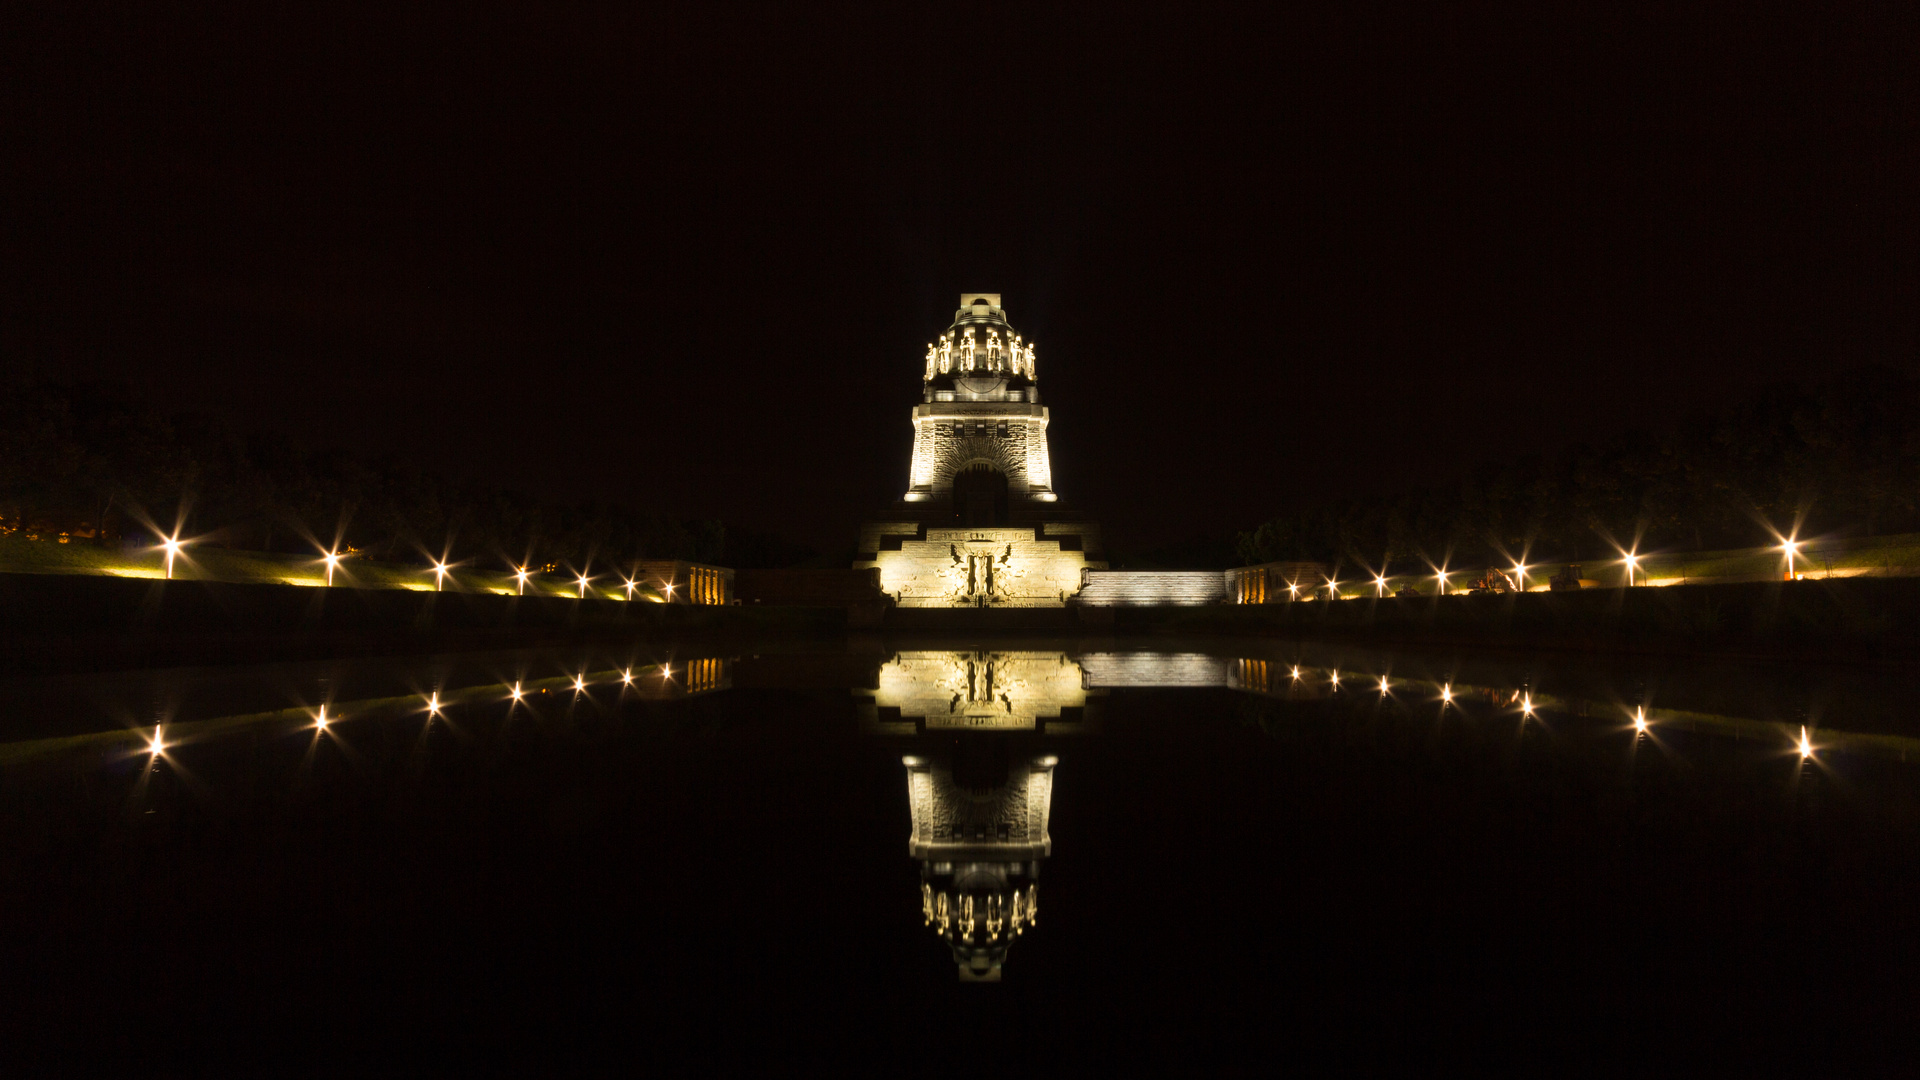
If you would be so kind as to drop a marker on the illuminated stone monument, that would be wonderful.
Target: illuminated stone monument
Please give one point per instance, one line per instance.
(980, 524)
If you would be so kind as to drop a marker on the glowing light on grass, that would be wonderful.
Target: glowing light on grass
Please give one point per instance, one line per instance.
(157, 745)
(320, 720)
(580, 683)
(333, 561)
(1383, 685)
(433, 704)
(1633, 563)
(1446, 694)
(1640, 719)
(171, 545)
(515, 693)
(626, 677)
(583, 586)
(1792, 548)
(1380, 584)
(439, 576)
(520, 577)
(1806, 747)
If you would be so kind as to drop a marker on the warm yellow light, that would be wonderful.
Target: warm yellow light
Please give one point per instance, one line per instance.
(1806, 747)
(320, 719)
(1520, 575)
(155, 745)
(666, 671)
(520, 577)
(1640, 719)
(439, 576)
(1296, 673)
(630, 587)
(626, 677)
(433, 703)
(1633, 563)
(580, 683)
(1442, 575)
(1336, 679)
(1380, 582)
(1526, 705)
(1446, 694)
(332, 560)
(583, 586)
(1383, 684)
(1792, 548)
(171, 545)
(516, 692)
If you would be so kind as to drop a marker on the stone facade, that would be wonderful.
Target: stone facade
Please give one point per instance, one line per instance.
(979, 567)
(979, 524)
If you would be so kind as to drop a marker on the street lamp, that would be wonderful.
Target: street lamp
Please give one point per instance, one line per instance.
(631, 585)
(172, 545)
(1633, 563)
(1792, 548)
(333, 560)
(583, 586)
(439, 576)
(520, 579)
(1520, 576)
(1442, 575)
(1380, 584)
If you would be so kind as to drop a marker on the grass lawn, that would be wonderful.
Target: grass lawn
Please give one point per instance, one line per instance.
(18, 555)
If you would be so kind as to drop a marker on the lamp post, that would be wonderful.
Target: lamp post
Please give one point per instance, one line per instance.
(520, 581)
(1380, 584)
(439, 576)
(583, 586)
(1633, 563)
(1442, 576)
(1792, 548)
(1520, 576)
(631, 584)
(333, 560)
(172, 545)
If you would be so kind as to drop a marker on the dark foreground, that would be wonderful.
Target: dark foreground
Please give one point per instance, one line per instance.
(655, 876)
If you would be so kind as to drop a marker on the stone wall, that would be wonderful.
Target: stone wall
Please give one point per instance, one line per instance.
(1152, 588)
(1006, 567)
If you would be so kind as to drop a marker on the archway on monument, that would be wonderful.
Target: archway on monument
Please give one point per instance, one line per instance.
(980, 496)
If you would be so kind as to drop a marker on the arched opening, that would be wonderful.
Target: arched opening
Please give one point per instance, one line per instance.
(981, 300)
(980, 496)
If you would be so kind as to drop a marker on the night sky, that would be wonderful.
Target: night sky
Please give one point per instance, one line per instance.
(690, 256)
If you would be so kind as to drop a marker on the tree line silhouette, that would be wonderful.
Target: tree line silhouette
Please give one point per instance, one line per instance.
(95, 461)
(1839, 456)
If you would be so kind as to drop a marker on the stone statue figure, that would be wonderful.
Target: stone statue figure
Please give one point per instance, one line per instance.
(993, 349)
(933, 358)
(1030, 372)
(966, 349)
(1013, 355)
(946, 354)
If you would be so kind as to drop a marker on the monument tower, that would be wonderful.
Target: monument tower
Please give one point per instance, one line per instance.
(980, 524)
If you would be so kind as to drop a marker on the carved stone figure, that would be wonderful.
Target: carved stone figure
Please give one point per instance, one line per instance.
(993, 349)
(933, 357)
(967, 351)
(946, 354)
(1030, 371)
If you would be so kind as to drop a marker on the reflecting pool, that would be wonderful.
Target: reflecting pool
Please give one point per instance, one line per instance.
(1195, 850)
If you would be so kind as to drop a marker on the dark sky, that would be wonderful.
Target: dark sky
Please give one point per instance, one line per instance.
(690, 255)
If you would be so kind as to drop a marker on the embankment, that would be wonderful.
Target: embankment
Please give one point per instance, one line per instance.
(77, 622)
(1866, 620)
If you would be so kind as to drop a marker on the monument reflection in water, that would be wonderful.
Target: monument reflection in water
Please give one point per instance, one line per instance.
(980, 786)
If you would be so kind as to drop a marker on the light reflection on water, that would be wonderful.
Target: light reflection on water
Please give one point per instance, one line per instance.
(981, 732)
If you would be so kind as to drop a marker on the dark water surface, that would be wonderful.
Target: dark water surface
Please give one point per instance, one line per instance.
(1120, 854)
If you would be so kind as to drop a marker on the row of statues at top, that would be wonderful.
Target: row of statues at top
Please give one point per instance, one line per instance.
(965, 352)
